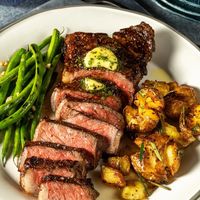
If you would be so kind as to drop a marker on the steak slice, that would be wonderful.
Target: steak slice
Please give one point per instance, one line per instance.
(116, 78)
(70, 135)
(36, 168)
(93, 110)
(62, 188)
(104, 129)
(53, 151)
(61, 93)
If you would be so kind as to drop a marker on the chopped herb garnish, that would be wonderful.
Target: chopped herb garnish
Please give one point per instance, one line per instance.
(156, 151)
(142, 180)
(141, 151)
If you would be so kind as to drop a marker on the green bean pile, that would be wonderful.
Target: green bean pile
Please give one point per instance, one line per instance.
(22, 92)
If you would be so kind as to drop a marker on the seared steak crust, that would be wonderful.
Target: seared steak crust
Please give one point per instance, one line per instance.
(61, 93)
(47, 164)
(53, 151)
(93, 110)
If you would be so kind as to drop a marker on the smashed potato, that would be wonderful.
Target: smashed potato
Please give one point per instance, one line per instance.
(149, 98)
(121, 163)
(140, 120)
(183, 96)
(193, 119)
(134, 191)
(112, 176)
(160, 160)
(161, 86)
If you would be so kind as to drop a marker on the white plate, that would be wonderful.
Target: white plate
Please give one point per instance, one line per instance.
(174, 54)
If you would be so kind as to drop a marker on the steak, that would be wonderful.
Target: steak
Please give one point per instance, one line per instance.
(61, 93)
(132, 46)
(69, 135)
(93, 110)
(62, 188)
(53, 151)
(117, 78)
(37, 168)
(104, 129)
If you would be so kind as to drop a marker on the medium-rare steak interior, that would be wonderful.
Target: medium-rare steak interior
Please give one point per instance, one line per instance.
(100, 76)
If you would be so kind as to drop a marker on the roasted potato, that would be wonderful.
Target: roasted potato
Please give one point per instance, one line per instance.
(161, 86)
(149, 98)
(160, 160)
(183, 137)
(121, 163)
(134, 191)
(112, 176)
(141, 119)
(193, 119)
(183, 96)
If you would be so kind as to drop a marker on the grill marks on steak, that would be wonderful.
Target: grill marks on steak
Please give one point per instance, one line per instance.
(61, 93)
(69, 135)
(104, 129)
(36, 168)
(62, 188)
(93, 110)
(117, 78)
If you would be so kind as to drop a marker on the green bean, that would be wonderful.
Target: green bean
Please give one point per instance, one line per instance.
(21, 73)
(13, 73)
(6, 147)
(14, 61)
(53, 46)
(39, 72)
(23, 131)
(17, 142)
(16, 100)
(40, 100)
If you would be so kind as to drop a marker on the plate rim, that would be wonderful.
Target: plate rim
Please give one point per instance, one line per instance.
(39, 11)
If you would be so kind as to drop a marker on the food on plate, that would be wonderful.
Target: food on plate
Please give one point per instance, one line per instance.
(112, 176)
(160, 159)
(160, 139)
(134, 191)
(60, 187)
(23, 88)
(121, 163)
(96, 99)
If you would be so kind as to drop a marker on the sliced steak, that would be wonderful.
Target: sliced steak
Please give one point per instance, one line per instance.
(53, 151)
(36, 168)
(61, 188)
(61, 93)
(70, 135)
(102, 128)
(117, 78)
(93, 110)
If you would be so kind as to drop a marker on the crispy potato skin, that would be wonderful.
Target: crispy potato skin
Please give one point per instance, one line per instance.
(134, 191)
(193, 119)
(161, 86)
(183, 96)
(140, 120)
(150, 167)
(121, 163)
(112, 176)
